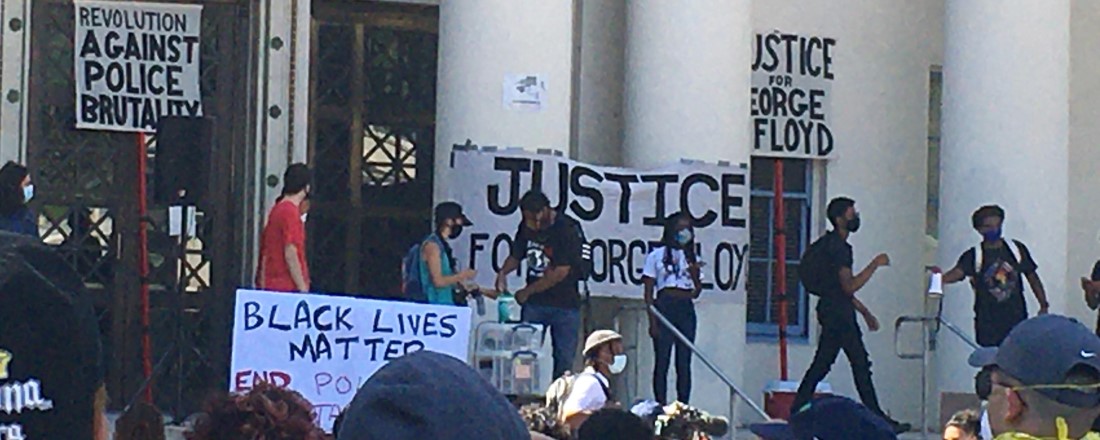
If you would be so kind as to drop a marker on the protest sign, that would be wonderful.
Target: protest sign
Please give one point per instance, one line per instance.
(622, 211)
(326, 347)
(135, 62)
(792, 79)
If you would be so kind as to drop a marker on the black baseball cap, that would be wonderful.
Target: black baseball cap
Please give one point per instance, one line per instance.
(828, 418)
(49, 342)
(451, 210)
(1042, 351)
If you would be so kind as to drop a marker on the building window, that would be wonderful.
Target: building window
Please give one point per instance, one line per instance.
(763, 313)
(935, 102)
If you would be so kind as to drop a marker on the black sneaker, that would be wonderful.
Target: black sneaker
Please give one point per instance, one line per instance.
(897, 426)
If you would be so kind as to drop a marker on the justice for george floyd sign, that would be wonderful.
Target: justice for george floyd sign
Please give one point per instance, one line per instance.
(135, 62)
(792, 77)
(622, 211)
(326, 347)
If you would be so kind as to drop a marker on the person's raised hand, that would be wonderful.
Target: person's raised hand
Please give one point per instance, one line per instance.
(882, 260)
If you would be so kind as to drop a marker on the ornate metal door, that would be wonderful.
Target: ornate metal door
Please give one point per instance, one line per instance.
(372, 141)
(87, 202)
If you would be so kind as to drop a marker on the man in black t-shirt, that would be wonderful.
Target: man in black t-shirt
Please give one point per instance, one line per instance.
(836, 312)
(550, 247)
(997, 281)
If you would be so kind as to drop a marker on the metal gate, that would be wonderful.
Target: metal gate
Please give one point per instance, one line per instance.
(372, 141)
(87, 202)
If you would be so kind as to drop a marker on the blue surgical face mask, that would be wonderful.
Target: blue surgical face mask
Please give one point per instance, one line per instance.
(992, 235)
(28, 193)
(684, 236)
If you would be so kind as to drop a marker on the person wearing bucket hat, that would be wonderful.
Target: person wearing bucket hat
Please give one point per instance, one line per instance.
(828, 418)
(591, 392)
(1046, 379)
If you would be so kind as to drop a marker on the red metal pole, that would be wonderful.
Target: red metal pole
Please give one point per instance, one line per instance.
(143, 269)
(780, 293)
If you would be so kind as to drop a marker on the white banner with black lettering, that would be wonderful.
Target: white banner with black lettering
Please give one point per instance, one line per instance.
(622, 211)
(792, 77)
(134, 63)
(326, 347)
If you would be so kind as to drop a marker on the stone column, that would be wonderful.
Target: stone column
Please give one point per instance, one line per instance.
(688, 68)
(481, 42)
(1005, 142)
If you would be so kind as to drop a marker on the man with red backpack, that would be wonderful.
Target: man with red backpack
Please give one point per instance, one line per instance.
(826, 271)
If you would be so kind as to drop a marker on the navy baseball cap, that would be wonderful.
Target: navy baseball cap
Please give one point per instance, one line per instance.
(1042, 351)
(427, 395)
(451, 210)
(828, 418)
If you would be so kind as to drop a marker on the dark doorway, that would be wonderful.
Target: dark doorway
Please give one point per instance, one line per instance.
(87, 201)
(372, 141)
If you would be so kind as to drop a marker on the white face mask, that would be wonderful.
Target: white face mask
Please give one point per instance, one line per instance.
(28, 193)
(304, 217)
(618, 365)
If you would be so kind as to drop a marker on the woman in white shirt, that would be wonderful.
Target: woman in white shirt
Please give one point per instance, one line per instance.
(672, 271)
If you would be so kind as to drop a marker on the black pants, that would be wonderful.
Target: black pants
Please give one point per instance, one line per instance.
(681, 311)
(849, 338)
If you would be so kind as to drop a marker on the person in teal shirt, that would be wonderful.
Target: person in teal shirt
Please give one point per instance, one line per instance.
(437, 263)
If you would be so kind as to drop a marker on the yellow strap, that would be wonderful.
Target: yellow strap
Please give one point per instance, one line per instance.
(1062, 429)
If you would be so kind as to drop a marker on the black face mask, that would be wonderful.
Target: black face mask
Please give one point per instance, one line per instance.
(853, 224)
(456, 230)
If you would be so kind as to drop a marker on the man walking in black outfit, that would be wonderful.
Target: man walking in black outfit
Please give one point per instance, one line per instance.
(837, 307)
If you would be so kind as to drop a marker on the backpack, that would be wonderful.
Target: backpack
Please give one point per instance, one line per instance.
(814, 268)
(560, 389)
(411, 288)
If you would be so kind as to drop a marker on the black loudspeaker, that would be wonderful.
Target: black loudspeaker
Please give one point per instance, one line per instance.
(184, 147)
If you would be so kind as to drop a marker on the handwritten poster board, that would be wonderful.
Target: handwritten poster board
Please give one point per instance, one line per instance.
(134, 63)
(792, 77)
(326, 347)
(622, 211)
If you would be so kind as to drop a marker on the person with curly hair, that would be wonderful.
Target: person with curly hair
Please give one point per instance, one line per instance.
(542, 420)
(266, 412)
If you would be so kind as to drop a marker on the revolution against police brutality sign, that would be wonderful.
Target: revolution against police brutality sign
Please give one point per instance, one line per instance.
(135, 62)
(325, 347)
(792, 77)
(622, 211)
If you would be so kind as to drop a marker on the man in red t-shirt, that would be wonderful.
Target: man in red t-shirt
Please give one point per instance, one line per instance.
(282, 264)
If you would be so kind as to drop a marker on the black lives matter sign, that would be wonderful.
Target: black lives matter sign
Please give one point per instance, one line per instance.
(792, 78)
(136, 62)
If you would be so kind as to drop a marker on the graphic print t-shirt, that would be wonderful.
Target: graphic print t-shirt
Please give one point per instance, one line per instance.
(559, 245)
(999, 290)
(674, 275)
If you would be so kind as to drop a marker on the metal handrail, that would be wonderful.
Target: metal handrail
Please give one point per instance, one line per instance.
(930, 329)
(734, 389)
